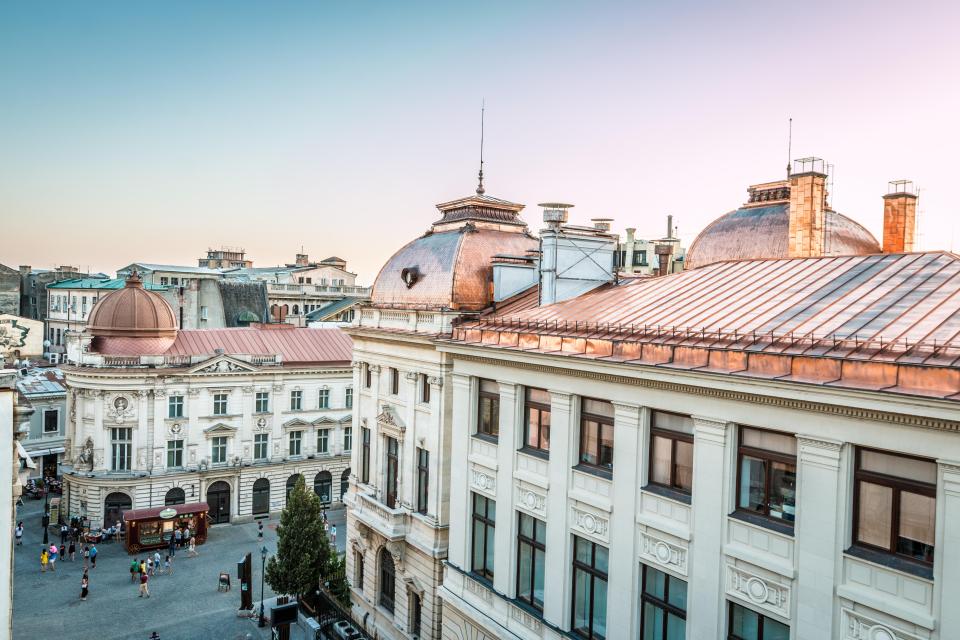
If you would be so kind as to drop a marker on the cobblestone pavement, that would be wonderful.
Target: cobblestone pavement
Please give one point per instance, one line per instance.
(183, 606)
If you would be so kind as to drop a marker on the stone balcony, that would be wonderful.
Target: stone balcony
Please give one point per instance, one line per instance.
(393, 524)
(316, 290)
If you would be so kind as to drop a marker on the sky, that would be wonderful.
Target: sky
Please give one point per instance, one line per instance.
(149, 132)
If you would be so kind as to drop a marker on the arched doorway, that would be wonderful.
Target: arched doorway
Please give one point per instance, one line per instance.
(114, 507)
(292, 482)
(175, 496)
(344, 483)
(323, 486)
(218, 499)
(261, 497)
(388, 579)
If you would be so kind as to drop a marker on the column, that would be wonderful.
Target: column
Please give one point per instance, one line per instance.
(623, 573)
(559, 547)
(407, 490)
(504, 578)
(705, 595)
(245, 430)
(459, 483)
(947, 554)
(817, 536)
(277, 445)
(438, 500)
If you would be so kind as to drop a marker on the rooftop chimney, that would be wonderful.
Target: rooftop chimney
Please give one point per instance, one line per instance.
(808, 203)
(302, 260)
(555, 213)
(601, 224)
(669, 226)
(899, 217)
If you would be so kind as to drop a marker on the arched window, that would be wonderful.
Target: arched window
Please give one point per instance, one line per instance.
(388, 577)
(261, 497)
(344, 483)
(323, 486)
(174, 496)
(292, 482)
(415, 614)
(296, 309)
(275, 312)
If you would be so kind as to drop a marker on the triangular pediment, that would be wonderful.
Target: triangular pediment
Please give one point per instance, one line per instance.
(296, 422)
(220, 429)
(388, 417)
(222, 364)
(324, 420)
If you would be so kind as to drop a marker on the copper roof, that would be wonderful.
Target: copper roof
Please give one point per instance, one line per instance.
(763, 232)
(132, 312)
(889, 321)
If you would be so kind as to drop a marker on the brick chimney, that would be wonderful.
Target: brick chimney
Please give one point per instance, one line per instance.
(808, 204)
(899, 217)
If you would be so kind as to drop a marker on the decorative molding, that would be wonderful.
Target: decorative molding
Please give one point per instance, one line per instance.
(657, 550)
(524, 618)
(411, 376)
(193, 391)
(854, 413)
(591, 523)
(532, 501)
(479, 589)
(435, 381)
(373, 368)
(819, 452)
(857, 626)
(760, 592)
(484, 481)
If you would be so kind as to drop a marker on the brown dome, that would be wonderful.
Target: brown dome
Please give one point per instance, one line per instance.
(133, 312)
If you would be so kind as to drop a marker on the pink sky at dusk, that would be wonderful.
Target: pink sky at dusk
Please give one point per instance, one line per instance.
(136, 133)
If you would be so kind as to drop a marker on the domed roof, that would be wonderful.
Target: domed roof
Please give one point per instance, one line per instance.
(132, 312)
(752, 232)
(450, 267)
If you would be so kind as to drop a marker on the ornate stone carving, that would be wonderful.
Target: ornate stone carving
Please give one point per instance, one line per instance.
(160, 393)
(248, 389)
(857, 626)
(435, 381)
(411, 376)
(193, 392)
(396, 552)
(483, 481)
(759, 591)
(261, 424)
(120, 410)
(659, 551)
(591, 523)
(531, 500)
(374, 368)
(175, 429)
(223, 366)
(525, 619)
(478, 589)
(85, 457)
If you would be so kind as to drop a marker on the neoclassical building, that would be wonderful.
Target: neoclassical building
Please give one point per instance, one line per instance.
(230, 417)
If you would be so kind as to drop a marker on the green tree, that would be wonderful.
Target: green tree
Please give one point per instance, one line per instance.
(336, 581)
(304, 557)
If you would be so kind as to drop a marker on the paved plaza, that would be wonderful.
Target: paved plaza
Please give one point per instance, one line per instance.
(183, 606)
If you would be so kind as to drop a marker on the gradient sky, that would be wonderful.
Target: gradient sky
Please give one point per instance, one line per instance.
(135, 131)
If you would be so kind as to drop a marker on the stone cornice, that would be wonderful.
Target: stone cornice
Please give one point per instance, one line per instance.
(153, 374)
(856, 413)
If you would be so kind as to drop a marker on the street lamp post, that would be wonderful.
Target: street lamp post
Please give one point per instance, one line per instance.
(46, 516)
(263, 564)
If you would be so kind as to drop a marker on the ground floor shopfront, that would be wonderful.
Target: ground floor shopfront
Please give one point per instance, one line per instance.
(234, 494)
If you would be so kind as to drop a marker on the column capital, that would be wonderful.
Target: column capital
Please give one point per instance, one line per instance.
(561, 400)
(950, 471)
(822, 452)
(508, 388)
(711, 430)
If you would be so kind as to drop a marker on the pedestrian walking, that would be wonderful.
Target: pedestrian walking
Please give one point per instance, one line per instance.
(156, 562)
(53, 557)
(86, 556)
(173, 544)
(144, 589)
(333, 534)
(63, 534)
(149, 566)
(84, 586)
(143, 567)
(72, 550)
(134, 569)
(326, 528)
(168, 566)
(93, 556)
(44, 559)
(193, 548)
(260, 529)
(18, 532)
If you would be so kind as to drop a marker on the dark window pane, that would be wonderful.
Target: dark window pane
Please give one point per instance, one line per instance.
(676, 628)
(652, 622)
(678, 593)
(744, 623)
(581, 602)
(684, 465)
(783, 483)
(753, 481)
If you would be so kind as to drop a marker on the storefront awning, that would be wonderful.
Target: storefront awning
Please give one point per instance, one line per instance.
(154, 512)
(44, 452)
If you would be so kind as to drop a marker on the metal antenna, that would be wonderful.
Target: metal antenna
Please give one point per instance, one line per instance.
(483, 108)
(789, 146)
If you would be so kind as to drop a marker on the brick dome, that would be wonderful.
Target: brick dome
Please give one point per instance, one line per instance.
(132, 312)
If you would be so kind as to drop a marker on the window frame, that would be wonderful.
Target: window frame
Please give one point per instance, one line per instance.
(56, 421)
(767, 457)
(897, 485)
(347, 439)
(221, 404)
(424, 389)
(760, 620)
(265, 406)
(218, 443)
(348, 398)
(323, 399)
(534, 545)
(367, 377)
(295, 436)
(387, 602)
(121, 448)
(365, 455)
(674, 437)
(176, 450)
(541, 407)
(493, 429)
(664, 604)
(175, 406)
(261, 440)
(594, 574)
(296, 400)
(323, 436)
(392, 475)
(423, 480)
(489, 525)
(601, 421)
(394, 381)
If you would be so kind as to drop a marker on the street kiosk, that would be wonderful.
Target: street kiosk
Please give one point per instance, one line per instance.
(152, 528)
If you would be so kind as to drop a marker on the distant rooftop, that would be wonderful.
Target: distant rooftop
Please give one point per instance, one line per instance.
(42, 382)
(148, 267)
(99, 283)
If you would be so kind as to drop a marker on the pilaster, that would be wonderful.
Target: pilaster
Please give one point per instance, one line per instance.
(459, 492)
(559, 545)
(947, 555)
(505, 559)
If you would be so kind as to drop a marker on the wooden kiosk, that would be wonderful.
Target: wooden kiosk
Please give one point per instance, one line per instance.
(153, 528)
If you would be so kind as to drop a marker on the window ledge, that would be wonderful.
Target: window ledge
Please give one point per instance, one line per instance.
(536, 453)
(891, 561)
(763, 521)
(487, 438)
(600, 472)
(667, 492)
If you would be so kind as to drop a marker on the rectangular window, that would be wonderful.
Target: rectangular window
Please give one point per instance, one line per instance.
(218, 449)
(204, 315)
(590, 566)
(348, 398)
(640, 258)
(358, 575)
(596, 434)
(323, 441)
(745, 624)
(531, 559)
(51, 421)
(174, 454)
(260, 441)
(175, 407)
(296, 400)
(488, 409)
(262, 402)
(324, 399)
(296, 440)
(424, 388)
(767, 478)
(671, 451)
(393, 467)
(348, 438)
(663, 599)
(164, 281)
(394, 381)
(423, 479)
(895, 502)
(484, 525)
(367, 376)
(219, 404)
(536, 421)
(121, 448)
(174, 281)
(365, 456)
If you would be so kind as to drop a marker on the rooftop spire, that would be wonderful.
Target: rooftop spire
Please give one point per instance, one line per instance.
(480, 190)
